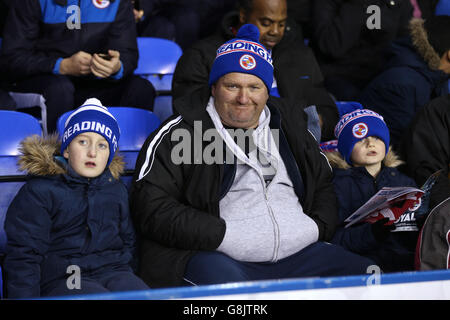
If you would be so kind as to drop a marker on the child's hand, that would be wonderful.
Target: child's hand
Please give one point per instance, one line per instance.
(380, 230)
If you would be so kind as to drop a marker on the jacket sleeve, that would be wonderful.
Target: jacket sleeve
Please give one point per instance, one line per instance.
(337, 25)
(426, 146)
(22, 30)
(27, 227)
(159, 206)
(396, 101)
(322, 208)
(127, 233)
(122, 37)
(359, 237)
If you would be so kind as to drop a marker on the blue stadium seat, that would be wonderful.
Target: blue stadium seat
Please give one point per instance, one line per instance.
(157, 60)
(135, 126)
(25, 100)
(14, 127)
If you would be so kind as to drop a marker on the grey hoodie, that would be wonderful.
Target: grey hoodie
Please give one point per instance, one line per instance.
(264, 221)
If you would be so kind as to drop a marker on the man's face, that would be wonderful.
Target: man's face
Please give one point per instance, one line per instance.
(270, 18)
(239, 99)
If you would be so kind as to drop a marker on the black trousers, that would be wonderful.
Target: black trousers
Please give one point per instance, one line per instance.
(63, 93)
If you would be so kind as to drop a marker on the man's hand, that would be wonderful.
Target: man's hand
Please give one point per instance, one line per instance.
(103, 68)
(76, 65)
(138, 15)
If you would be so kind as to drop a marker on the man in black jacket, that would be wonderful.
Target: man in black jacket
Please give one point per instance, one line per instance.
(235, 188)
(426, 144)
(69, 53)
(349, 37)
(297, 75)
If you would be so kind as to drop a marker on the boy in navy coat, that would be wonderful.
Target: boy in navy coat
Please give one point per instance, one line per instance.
(364, 165)
(69, 229)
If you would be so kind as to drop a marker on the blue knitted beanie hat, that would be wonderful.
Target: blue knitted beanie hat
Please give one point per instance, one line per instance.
(243, 54)
(357, 125)
(92, 116)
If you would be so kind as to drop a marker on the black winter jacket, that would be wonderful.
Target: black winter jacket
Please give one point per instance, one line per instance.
(343, 43)
(296, 71)
(410, 80)
(176, 207)
(426, 144)
(36, 35)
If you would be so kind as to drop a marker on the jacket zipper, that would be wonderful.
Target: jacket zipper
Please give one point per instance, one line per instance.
(276, 228)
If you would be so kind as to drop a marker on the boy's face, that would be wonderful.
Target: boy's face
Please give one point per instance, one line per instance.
(88, 154)
(368, 151)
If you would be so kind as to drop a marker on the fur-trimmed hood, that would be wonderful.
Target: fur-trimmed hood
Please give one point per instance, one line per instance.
(337, 161)
(420, 41)
(38, 157)
(415, 52)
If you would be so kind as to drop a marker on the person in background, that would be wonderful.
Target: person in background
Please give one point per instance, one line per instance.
(297, 76)
(417, 71)
(175, 20)
(349, 50)
(68, 53)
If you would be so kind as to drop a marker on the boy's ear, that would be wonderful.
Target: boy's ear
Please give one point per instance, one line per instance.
(66, 154)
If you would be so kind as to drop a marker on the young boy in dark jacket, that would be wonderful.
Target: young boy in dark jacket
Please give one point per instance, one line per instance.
(69, 229)
(364, 165)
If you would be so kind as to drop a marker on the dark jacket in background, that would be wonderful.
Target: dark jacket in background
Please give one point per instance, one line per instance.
(405, 86)
(176, 207)
(345, 47)
(426, 144)
(301, 11)
(298, 75)
(427, 7)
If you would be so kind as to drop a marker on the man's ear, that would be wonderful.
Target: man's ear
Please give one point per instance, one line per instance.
(213, 90)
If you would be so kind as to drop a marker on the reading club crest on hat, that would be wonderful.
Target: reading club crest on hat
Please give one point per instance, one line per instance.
(243, 54)
(247, 62)
(360, 130)
(101, 4)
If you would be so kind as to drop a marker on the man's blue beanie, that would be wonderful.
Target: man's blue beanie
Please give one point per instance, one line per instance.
(357, 125)
(243, 54)
(92, 116)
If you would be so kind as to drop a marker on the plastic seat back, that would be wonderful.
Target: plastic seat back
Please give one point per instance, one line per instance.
(157, 60)
(14, 127)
